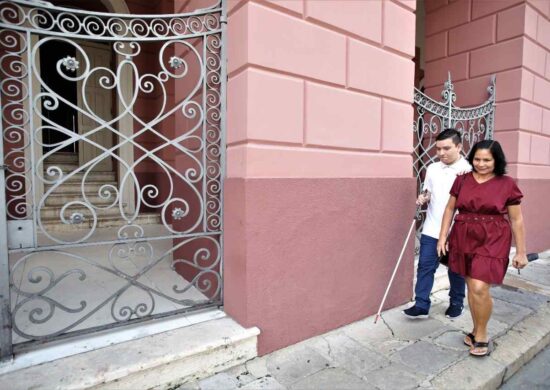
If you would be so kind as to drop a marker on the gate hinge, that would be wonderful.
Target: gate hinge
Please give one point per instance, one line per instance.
(223, 19)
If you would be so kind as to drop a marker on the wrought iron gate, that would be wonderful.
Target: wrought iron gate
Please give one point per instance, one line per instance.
(431, 117)
(112, 158)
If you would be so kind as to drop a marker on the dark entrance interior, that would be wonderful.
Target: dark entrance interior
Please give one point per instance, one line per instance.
(63, 116)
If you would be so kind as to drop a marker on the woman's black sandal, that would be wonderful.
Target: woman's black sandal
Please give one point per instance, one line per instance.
(472, 340)
(480, 344)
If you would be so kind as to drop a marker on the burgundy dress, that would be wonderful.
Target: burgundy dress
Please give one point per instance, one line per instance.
(480, 239)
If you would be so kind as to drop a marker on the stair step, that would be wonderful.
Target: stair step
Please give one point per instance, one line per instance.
(90, 187)
(64, 166)
(142, 219)
(68, 167)
(61, 199)
(63, 157)
(54, 212)
(92, 176)
(174, 357)
(102, 222)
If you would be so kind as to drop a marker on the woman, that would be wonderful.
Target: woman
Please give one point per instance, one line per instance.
(480, 240)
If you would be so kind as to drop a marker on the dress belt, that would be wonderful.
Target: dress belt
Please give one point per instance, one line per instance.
(467, 217)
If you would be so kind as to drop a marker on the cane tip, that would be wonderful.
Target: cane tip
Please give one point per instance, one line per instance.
(376, 318)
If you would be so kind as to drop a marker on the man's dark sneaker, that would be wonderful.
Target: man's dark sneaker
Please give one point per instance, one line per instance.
(454, 311)
(416, 312)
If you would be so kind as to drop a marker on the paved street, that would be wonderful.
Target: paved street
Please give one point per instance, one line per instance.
(534, 375)
(399, 353)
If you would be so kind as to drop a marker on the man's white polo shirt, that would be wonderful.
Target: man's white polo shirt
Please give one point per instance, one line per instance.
(439, 180)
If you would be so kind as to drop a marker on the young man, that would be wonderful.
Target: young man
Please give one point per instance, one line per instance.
(438, 182)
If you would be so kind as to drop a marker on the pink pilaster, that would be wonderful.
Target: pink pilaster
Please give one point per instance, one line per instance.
(319, 188)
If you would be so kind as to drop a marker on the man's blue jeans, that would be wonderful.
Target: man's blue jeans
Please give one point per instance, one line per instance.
(427, 265)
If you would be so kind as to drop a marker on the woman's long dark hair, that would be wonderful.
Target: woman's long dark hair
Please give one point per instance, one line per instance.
(496, 151)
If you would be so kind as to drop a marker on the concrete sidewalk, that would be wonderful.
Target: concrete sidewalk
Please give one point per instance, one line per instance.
(399, 353)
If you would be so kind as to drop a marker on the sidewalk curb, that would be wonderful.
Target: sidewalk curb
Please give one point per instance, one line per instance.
(513, 350)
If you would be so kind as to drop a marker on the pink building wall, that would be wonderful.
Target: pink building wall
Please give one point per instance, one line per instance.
(510, 38)
(319, 193)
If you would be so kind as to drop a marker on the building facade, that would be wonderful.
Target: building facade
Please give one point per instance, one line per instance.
(289, 204)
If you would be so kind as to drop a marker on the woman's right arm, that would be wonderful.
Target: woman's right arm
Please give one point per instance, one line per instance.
(445, 225)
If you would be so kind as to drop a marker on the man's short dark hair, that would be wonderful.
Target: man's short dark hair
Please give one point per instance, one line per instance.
(496, 151)
(450, 133)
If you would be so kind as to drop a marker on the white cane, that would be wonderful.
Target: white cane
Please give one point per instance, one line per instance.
(413, 223)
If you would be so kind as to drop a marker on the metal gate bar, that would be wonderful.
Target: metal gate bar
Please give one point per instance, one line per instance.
(6, 349)
(190, 217)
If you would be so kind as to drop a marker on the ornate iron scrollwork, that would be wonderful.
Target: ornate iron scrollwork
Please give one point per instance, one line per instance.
(185, 199)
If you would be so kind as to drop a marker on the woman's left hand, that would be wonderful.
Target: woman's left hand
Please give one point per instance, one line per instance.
(520, 261)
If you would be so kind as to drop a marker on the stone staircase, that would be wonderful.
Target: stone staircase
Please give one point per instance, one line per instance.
(71, 191)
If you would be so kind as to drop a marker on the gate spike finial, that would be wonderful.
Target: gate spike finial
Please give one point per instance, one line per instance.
(450, 97)
(492, 87)
(448, 88)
